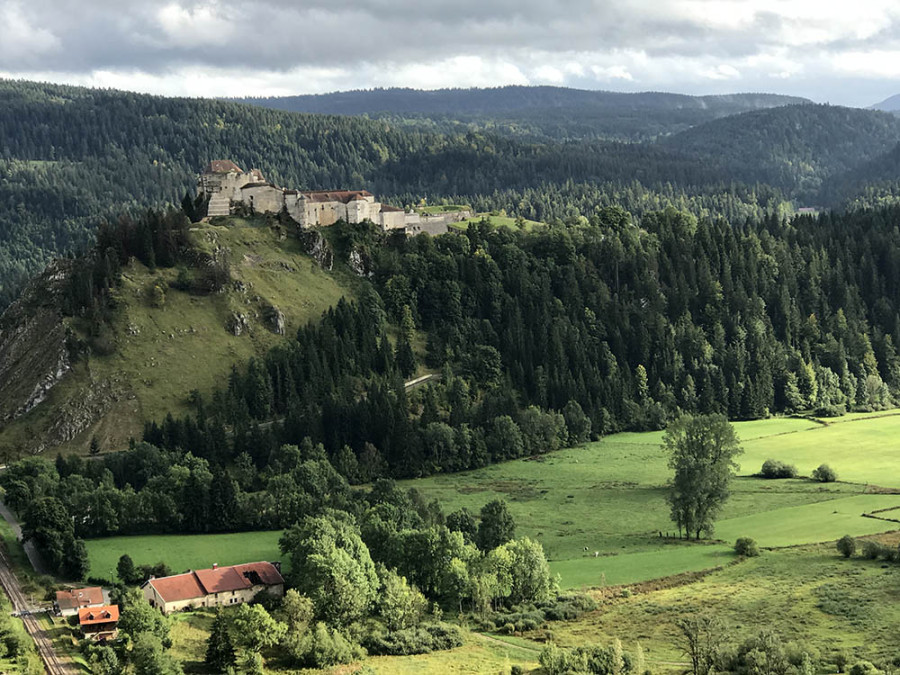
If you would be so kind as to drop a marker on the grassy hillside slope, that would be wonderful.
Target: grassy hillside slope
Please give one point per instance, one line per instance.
(158, 355)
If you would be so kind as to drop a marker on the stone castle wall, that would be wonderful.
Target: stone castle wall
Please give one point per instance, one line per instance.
(235, 187)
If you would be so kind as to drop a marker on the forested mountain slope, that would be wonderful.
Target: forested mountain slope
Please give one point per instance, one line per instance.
(70, 157)
(794, 147)
(552, 112)
(870, 184)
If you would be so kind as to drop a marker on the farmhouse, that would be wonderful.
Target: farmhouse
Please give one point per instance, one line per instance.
(69, 602)
(215, 587)
(99, 623)
(227, 187)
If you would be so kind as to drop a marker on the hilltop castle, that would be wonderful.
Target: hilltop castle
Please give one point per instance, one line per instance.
(227, 186)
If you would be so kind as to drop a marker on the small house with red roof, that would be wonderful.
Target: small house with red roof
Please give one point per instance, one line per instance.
(99, 623)
(214, 587)
(68, 602)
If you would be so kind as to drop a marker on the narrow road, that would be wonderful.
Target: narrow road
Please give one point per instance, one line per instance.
(34, 556)
(54, 664)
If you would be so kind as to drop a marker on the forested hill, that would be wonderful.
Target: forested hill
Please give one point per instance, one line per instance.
(552, 112)
(70, 157)
(795, 147)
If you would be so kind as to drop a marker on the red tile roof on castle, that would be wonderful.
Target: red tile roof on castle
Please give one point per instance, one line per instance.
(343, 196)
(89, 616)
(222, 166)
(200, 583)
(79, 597)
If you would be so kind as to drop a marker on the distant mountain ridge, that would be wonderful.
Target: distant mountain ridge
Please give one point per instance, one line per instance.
(553, 112)
(794, 147)
(890, 104)
(510, 98)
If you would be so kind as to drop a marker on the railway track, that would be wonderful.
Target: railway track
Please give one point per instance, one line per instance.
(52, 662)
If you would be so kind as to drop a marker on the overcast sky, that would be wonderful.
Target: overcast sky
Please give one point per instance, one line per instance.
(840, 52)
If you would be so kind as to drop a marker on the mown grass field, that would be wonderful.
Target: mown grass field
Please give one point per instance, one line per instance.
(498, 221)
(183, 552)
(609, 497)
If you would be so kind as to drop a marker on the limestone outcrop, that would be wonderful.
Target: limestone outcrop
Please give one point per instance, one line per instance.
(34, 354)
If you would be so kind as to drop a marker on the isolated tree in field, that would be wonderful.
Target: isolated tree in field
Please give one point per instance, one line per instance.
(846, 546)
(220, 654)
(701, 452)
(497, 526)
(701, 639)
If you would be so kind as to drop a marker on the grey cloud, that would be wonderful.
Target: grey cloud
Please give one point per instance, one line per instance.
(102, 34)
(364, 40)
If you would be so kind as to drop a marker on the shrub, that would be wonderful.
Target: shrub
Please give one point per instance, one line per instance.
(837, 410)
(417, 640)
(517, 670)
(863, 668)
(840, 659)
(871, 550)
(330, 647)
(772, 468)
(746, 547)
(846, 546)
(824, 474)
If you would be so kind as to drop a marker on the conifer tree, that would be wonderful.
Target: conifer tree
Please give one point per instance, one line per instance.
(220, 653)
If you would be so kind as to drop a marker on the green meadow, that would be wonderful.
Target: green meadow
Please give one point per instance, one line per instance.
(808, 595)
(600, 509)
(182, 552)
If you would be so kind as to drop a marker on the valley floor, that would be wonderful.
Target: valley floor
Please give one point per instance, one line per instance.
(608, 497)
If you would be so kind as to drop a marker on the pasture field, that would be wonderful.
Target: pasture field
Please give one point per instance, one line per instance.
(497, 221)
(609, 497)
(182, 552)
(808, 594)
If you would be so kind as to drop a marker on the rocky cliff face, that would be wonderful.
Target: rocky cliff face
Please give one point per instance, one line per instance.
(33, 352)
(36, 364)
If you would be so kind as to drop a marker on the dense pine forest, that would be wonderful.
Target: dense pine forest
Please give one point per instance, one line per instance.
(71, 157)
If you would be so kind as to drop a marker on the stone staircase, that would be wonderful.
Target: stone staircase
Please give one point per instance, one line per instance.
(219, 205)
